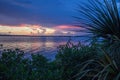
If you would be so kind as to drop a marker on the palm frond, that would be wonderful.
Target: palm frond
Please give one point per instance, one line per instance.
(101, 19)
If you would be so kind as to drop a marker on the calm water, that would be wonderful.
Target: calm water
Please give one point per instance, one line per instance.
(46, 46)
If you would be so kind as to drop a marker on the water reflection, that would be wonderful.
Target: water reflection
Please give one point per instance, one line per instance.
(46, 46)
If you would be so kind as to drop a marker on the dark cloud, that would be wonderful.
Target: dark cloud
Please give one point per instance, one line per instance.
(45, 12)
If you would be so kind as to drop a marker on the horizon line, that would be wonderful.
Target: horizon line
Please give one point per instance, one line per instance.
(42, 35)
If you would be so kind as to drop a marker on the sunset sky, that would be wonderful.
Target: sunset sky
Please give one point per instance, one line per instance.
(38, 30)
(39, 17)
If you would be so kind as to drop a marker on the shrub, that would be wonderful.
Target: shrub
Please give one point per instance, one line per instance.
(13, 66)
(70, 55)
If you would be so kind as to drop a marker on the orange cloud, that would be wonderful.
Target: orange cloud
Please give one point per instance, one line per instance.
(25, 29)
(37, 30)
(67, 27)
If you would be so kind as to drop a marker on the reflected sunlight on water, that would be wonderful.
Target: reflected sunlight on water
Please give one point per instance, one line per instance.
(46, 46)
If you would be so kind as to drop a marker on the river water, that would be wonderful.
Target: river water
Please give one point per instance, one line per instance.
(47, 46)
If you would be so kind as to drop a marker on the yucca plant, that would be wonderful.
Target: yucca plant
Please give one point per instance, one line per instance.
(101, 20)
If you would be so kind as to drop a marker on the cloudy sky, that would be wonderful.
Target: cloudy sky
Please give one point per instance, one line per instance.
(38, 17)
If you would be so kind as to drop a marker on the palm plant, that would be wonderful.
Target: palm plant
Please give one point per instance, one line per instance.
(101, 19)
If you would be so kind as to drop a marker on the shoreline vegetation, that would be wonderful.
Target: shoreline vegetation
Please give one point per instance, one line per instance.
(98, 61)
(13, 65)
(72, 61)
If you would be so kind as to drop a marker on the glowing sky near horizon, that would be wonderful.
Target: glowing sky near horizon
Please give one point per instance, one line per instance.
(39, 17)
(37, 30)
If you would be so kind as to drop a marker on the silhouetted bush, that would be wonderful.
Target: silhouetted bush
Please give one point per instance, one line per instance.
(70, 55)
(14, 66)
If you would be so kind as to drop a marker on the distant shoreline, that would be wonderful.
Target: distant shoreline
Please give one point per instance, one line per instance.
(38, 36)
